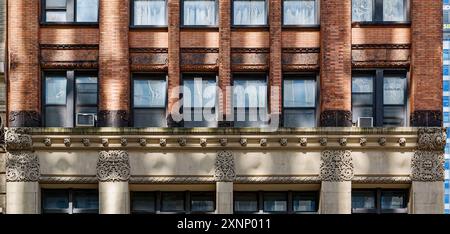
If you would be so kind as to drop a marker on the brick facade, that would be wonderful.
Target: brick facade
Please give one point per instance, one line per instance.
(331, 51)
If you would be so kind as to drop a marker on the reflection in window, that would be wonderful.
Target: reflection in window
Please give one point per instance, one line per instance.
(199, 12)
(150, 12)
(380, 10)
(362, 96)
(364, 200)
(246, 202)
(379, 201)
(299, 101)
(199, 101)
(250, 100)
(304, 202)
(172, 202)
(149, 101)
(69, 201)
(143, 202)
(362, 10)
(275, 202)
(87, 10)
(249, 12)
(56, 90)
(299, 12)
(202, 202)
(394, 10)
(80, 11)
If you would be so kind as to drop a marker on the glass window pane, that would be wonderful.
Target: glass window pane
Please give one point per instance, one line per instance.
(299, 93)
(85, 199)
(150, 12)
(143, 202)
(394, 90)
(394, 10)
(55, 116)
(362, 99)
(56, 90)
(250, 118)
(393, 200)
(86, 88)
(172, 202)
(298, 12)
(202, 202)
(246, 202)
(250, 93)
(56, 3)
(56, 199)
(144, 118)
(304, 202)
(56, 16)
(275, 202)
(199, 93)
(363, 200)
(198, 12)
(394, 116)
(149, 93)
(199, 117)
(299, 118)
(87, 10)
(362, 10)
(249, 12)
(362, 84)
(361, 112)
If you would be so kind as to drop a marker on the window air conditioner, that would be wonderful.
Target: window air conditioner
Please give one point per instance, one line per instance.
(86, 119)
(365, 122)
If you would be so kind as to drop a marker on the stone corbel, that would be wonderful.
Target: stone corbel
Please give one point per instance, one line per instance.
(224, 167)
(336, 165)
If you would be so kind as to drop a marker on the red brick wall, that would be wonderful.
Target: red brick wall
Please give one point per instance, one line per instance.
(68, 35)
(174, 51)
(149, 39)
(426, 67)
(23, 55)
(301, 39)
(225, 54)
(199, 39)
(381, 35)
(114, 69)
(275, 75)
(336, 66)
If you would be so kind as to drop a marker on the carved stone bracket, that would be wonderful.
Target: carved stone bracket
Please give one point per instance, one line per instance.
(337, 165)
(113, 166)
(427, 166)
(18, 139)
(224, 167)
(22, 166)
(431, 139)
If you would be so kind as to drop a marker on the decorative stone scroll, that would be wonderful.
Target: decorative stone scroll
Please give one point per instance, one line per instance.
(431, 139)
(427, 166)
(113, 166)
(224, 167)
(18, 139)
(22, 166)
(337, 165)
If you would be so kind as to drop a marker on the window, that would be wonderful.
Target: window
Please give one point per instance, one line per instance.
(379, 201)
(199, 101)
(149, 13)
(70, 11)
(250, 100)
(149, 100)
(173, 202)
(299, 101)
(275, 202)
(70, 98)
(69, 201)
(300, 12)
(249, 13)
(380, 95)
(200, 13)
(380, 10)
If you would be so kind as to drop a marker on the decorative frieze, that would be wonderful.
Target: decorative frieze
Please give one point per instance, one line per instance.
(427, 166)
(22, 166)
(224, 167)
(86, 142)
(48, 142)
(163, 142)
(336, 165)
(303, 141)
(113, 166)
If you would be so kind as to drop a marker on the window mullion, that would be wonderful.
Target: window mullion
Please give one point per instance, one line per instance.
(378, 11)
(379, 98)
(70, 10)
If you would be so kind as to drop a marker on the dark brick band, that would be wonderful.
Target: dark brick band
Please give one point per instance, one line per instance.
(336, 118)
(426, 118)
(24, 119)
(109, 118)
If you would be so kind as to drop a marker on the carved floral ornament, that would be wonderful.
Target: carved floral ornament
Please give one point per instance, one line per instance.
(22, 166)
(224, 167)
(427, 166)
(18, 139)
(113, 166)
(337, 165)
(431, 139)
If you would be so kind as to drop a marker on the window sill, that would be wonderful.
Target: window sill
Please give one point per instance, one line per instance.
(381, 24)
(72, 24)
(149, 27)
(301, 27)
(200, 27)
(247, 27)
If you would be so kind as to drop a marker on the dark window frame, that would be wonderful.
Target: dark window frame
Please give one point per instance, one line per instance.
(317, 16)
(289, 201)
(187, 199)
(183, 25)
(378, 76)
(377, 14)
(209, 76)
(378, 196)
(233, 25)
(71, 10)
(71, 106)
(133, 25)
(301, 76)
(147, 76)
(250, 76)
(71, 199)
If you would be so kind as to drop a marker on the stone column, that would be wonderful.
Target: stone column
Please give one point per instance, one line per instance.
(224, 175)
(336, 173)
(336, 63)
(114, 70)
(427, 172)
(22, 173)
(113, 173)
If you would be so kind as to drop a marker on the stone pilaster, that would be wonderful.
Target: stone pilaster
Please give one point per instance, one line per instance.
(224, 174)
(336, 173)
(113, 174)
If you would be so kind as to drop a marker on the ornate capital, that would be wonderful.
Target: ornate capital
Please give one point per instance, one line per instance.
(431, 139)
(337, 165)
(427, 166)
(113, 166)
(224, 167)
(22, 166)
(18, 139)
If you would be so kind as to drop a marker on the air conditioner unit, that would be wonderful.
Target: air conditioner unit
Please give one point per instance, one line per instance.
(365, 122)
(86, 119)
